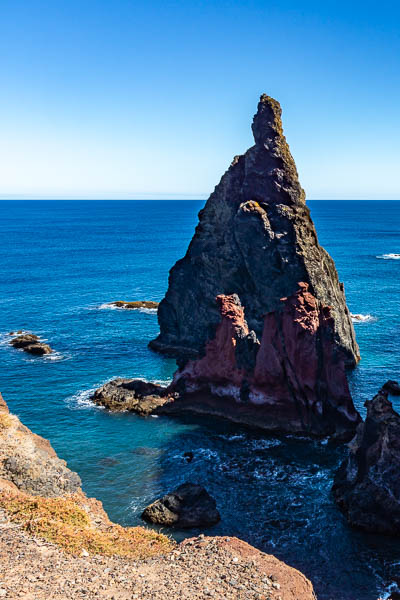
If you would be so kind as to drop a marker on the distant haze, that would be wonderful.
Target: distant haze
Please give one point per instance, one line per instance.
(130, 99)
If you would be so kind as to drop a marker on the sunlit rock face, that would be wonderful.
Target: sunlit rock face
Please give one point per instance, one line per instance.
(255, 239)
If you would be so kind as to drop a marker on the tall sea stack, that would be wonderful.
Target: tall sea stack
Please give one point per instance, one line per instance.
(255, 287)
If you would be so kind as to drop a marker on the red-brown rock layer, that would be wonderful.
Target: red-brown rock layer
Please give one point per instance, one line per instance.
(294, 380)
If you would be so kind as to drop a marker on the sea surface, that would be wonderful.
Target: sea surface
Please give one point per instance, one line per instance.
(61, 262)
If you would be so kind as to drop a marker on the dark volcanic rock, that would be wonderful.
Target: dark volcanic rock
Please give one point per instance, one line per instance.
(188, 506)
(293, 381)
(30, 343)
(255, 238)
(134, 395)
(135, 304)
(391, 387)
(367, 484)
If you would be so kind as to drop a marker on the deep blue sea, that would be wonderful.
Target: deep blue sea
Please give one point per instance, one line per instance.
(62, 261)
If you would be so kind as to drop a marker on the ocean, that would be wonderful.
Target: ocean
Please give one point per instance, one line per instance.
(61, 262)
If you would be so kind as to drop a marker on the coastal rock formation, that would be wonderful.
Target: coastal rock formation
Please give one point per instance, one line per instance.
(367, 484)
(29, 462)
(134, 395)
(190, 505)
(30, 343)
(293, 380)
(255, 238)
(135, 304)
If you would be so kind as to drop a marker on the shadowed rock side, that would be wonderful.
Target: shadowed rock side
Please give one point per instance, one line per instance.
(293, 380)
(255, 238)
(367, 484)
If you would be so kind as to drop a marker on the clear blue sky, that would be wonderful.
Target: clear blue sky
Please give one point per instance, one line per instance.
(120, 99)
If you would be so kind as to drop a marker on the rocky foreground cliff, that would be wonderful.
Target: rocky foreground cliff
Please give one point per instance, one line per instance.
(57, 543)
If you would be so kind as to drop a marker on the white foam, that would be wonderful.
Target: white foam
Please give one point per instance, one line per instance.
(111, 306)
(390, 256)
(264, 444)
(56, 356)
(359, 318)
(234, 437)
(82, 399)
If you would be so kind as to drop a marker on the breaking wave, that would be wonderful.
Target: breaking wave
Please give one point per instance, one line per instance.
(359, 318)
(390, 256)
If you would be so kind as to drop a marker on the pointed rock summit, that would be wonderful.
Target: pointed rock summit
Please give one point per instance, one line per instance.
(255, 311)
(255, 238)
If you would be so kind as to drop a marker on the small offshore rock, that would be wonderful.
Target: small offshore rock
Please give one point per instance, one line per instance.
(135, 395)
(30, 343)
(190, 505)
(135, 304)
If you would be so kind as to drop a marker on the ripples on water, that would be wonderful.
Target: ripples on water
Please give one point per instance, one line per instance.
(61, 262)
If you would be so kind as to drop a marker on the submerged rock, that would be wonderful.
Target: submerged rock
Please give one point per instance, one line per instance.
(255, 238)
(367, 484)
(294, 380)
(134, 395)
(30, 343)
(190, 505)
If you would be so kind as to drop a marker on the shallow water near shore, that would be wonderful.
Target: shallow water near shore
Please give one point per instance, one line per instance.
(62, 262)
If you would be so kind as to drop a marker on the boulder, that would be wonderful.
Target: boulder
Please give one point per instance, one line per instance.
(367, 484)
(134, 395)
(188, 506)
(255, 238)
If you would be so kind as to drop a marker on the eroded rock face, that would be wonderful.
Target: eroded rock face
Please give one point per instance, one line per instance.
(134, 395)
(292, 380)
(190, 505)
(255, 239)
(367, 484)
(29, 462)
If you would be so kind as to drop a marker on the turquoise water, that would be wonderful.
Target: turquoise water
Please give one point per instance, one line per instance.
(61, 261)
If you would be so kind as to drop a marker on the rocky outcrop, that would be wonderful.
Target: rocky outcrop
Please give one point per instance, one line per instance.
(391, 387)
(134, 395)
(135, 304)
(292, 380)
(29, 462)
(190, 505)
(30, 343)
(367, 484)
(255, 239)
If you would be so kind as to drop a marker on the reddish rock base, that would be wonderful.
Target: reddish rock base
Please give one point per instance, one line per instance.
(294, 380)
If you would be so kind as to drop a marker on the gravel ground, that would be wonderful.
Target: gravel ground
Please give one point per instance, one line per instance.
(203, 567)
